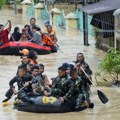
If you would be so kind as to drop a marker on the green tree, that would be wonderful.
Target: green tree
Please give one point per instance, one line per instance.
(2, 2)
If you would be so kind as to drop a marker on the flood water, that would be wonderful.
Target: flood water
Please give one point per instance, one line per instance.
(71, 42)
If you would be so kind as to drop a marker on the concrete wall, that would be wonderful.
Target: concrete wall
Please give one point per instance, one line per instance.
(103, 43)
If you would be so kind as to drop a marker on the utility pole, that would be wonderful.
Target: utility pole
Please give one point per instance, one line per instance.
(52, 13)
(45, 2)
(15, 7)
(85, 24)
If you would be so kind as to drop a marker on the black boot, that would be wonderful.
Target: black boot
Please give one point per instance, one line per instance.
(91, 105)
(24, 97)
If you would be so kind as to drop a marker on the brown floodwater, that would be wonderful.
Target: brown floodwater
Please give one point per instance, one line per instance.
(71, 42)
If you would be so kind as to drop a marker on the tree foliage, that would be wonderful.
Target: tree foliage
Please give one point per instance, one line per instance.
(2, 2)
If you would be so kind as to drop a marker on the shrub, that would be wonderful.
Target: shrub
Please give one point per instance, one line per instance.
(111, 64)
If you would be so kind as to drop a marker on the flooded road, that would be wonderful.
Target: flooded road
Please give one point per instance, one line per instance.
(71, 42)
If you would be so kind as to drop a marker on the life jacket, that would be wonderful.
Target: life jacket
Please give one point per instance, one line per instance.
(48, 37)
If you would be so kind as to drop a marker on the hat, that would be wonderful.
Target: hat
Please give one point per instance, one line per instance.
(47, 22)
(40, 65)
(65, 65)
(24, 51)
(72, 65)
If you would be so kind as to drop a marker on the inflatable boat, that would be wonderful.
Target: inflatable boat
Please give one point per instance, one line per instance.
(43, 104)
(12, 48)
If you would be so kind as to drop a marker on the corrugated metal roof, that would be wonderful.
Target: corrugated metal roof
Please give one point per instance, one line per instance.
(102, 6)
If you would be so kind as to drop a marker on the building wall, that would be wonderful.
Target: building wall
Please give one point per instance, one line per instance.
(103, 43)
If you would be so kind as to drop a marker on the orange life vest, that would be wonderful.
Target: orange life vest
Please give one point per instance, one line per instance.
(48, 38)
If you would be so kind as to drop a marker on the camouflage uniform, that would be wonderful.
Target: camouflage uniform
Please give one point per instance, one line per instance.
(86, 81)
(86, 84)
(77, 91)
(61, 87)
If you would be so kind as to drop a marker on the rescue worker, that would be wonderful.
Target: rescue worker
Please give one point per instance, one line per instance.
(50, 39)
(77, 89)
(24, 82)
(61, 85)
(80, 62)
(86, 82)
(80, 59)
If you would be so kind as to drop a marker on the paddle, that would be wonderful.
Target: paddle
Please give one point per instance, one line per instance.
(101, 95)
(54, 44)
(10, 94)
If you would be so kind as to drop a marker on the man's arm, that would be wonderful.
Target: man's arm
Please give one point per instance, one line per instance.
(9, 28)
(11, 83)
(70, 92)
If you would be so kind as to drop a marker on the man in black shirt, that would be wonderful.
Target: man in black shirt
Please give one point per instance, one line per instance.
(24, 82)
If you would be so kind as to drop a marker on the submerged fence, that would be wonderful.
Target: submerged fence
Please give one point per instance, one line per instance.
(79, 14)
(44, 14)
(60, 20)
(30, 11)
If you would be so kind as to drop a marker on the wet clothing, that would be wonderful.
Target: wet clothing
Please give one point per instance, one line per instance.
(21, 81)
(4, 36)
(77, 91)
(86, 83)
(22, 93)
(61, 87)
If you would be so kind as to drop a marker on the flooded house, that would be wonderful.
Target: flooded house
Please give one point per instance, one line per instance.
(103, 21)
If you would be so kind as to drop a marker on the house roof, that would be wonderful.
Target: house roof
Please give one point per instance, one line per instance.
(102, 6)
